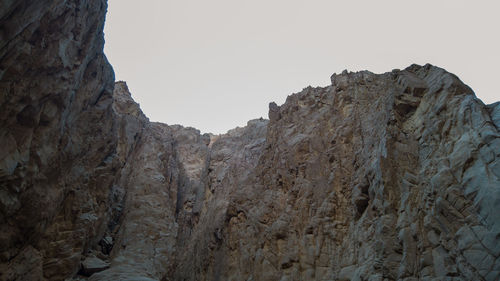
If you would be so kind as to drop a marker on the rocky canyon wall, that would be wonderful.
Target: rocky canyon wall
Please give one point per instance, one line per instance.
(58, 135)
(392, 176)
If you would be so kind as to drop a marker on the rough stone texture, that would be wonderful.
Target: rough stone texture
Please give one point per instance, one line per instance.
(57, 134)
(376, 177)
(92, 265)
(391, 176)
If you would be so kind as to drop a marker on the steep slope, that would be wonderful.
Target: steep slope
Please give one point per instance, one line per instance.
(392, 176)
(376, 177)
(57, 134)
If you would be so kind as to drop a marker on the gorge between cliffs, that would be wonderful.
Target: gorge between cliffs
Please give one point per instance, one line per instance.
(392, 176)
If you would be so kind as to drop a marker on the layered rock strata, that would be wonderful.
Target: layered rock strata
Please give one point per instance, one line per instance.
(392, 176)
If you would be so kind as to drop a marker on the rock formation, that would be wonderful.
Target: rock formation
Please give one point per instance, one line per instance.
(392, 176)
(58, 136)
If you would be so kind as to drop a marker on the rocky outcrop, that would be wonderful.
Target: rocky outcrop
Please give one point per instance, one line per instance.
(58, 136)
(392, 176)
(376, 177)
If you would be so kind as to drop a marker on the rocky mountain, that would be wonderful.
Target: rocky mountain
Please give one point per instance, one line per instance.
(392, 176)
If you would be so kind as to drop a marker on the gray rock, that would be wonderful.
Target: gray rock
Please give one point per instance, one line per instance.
(390, 176)
(92, 265)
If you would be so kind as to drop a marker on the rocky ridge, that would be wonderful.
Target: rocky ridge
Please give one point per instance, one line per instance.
(392, 176)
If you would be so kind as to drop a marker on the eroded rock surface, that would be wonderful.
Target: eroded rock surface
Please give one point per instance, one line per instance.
(376, 177)
(57, 135)
(392, 176)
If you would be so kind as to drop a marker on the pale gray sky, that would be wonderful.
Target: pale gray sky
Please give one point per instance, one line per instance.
(216, 64)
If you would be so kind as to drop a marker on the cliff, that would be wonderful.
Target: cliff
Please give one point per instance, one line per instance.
(392, 176)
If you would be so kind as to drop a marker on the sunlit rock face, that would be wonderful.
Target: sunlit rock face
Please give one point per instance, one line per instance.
(391, 176)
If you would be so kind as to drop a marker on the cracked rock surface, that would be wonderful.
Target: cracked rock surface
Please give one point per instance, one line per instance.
(392, 176)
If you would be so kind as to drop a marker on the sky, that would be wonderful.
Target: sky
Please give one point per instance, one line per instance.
(216, 64)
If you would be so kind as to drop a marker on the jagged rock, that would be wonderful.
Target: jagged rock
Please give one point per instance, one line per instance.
(274, 111)
(92, 265)
(58, 134)
(106, 244)
(392, 176)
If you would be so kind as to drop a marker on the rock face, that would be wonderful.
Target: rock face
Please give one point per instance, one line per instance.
(58, 136)
(391, 176)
